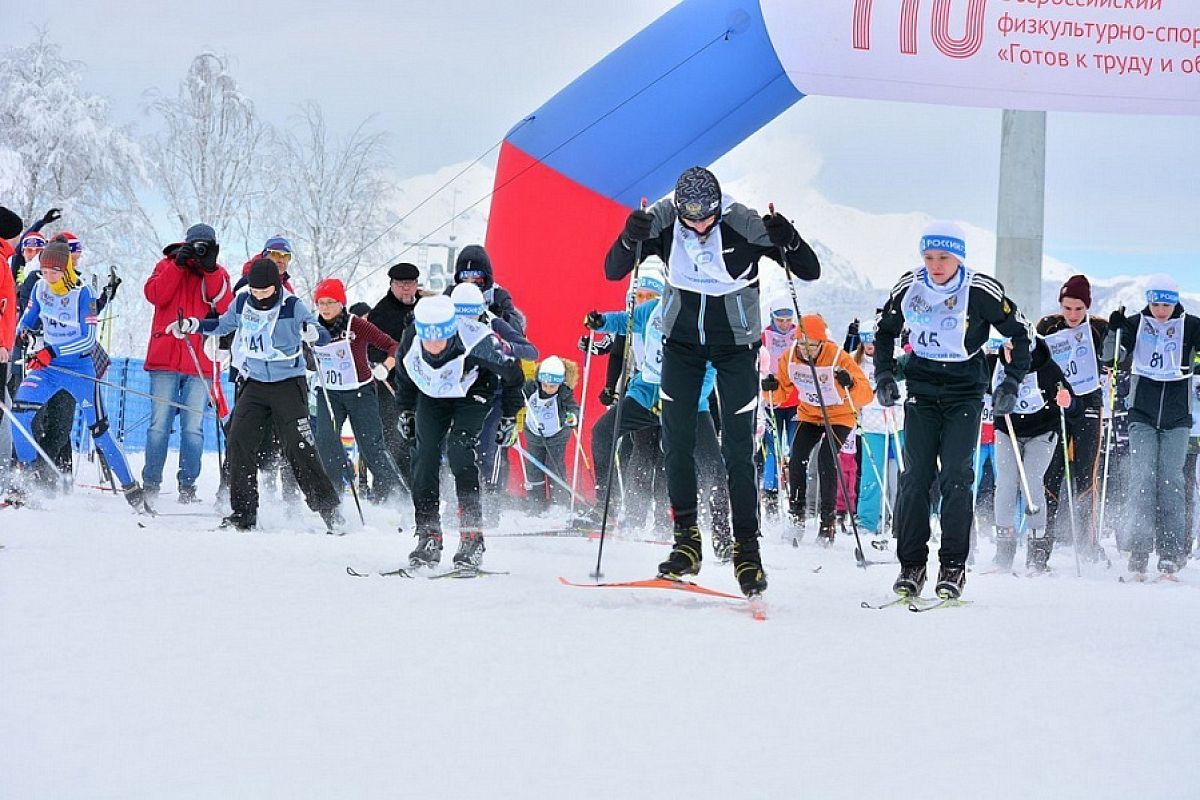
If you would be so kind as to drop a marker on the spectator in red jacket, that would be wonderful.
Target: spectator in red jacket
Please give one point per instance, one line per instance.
(188, 282)
(348, 381)
(10, 228)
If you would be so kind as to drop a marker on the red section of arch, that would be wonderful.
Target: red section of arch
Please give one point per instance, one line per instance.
(547, 237)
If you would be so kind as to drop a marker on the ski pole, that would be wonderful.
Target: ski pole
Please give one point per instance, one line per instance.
(631, 298)
(119, 387)
(1062, 417)
(1112, 424)
(212, 397)
(1031, 507)
(25, 432)
(587, 369)
(337, 433)
(549, 473)
(811, 359)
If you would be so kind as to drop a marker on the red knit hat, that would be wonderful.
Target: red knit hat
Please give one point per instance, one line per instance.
(331, 288)
(1078, 288)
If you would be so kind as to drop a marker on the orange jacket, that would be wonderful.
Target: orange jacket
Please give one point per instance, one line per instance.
(830, 355)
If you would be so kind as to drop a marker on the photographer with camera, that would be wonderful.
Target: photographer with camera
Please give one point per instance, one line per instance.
(187, 282)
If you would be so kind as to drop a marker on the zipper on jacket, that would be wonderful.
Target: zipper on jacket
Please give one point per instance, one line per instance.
(1162, 392)
(742, 313)
(700, 318)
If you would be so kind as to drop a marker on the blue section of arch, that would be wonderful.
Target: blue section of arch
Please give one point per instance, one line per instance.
(684, 91)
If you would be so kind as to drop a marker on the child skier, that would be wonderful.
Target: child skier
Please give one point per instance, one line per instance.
(269, 326)
(551, 413)
(449, 370)
(838, 377)
(778, 336)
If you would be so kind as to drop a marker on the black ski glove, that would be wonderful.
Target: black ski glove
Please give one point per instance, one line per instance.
(506, 432)
(1116, 319)
(184, 254)
(843, 378)
(852, 331)
(637, 226)
(1004, 398)
(601, 344)
(887, 391)
(770, 383)
(208, 261)
(408, 425)
(607, 396)
(593, 321)
(779, 230)
(53, 215)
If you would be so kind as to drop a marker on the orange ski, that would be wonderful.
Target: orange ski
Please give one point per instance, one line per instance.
(656, 583)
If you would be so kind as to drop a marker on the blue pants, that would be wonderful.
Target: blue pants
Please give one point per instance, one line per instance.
(987, 452)
(40, 385)
(877, 448)
(784, 421)
(187, 390)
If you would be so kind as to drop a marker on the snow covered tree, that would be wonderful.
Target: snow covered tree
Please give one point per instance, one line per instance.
(209, 153)
(59, 149)
(330, 200)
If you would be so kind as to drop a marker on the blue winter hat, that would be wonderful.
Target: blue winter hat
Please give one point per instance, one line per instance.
(278, 243)
(945, 235)
(434, 318)
(866, 337)
(1162, 288)
(651, 283)
(200, 233)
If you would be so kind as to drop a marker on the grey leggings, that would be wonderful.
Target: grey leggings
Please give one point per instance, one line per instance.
(1036, 453)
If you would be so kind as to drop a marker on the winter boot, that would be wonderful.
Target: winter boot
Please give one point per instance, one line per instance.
(1167, 566)
(826, 534)
(1137, 565)
(910, 581)
(748, 568)
(137, 498)
(335, 524)
(187, 495)
(238, 521)
(722, 544)
(1037, 551)
(951, 580)
(1006, 548)
(428, 552)
(796, 520)
(685, 555)
(470, 550)
(771, 502)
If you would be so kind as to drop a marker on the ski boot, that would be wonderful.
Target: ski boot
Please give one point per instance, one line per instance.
(1137, 565)
(951, 580)
(187, 495)
(137, 498)
(910, 581)
(748, 568)
(826, 534)
(685, 555)
(1167, 567)
(1037, 551)
(771, 502)
(797, 521)
(238, 521)
(428, 552)
(470, 550)
(335, 523)
(722, 545)
(1006, 549)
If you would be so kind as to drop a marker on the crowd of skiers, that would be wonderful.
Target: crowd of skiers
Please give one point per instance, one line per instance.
(951, 412)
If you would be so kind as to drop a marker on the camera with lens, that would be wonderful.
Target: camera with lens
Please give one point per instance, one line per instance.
(200, 248)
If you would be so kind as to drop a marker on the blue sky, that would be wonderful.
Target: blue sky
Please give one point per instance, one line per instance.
(447, 80)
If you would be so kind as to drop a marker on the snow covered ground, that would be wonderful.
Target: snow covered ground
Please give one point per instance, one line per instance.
(175, 661)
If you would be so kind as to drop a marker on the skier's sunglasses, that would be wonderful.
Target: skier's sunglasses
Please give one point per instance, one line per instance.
(281, 254)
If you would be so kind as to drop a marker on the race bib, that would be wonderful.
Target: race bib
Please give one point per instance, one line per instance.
(937, 321)
(1074, 350)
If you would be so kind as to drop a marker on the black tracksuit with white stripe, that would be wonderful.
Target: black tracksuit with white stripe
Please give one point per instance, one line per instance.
(941, 414)
(724, 330)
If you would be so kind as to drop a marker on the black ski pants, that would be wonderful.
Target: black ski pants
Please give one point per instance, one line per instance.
(551, 451)
(284, 405)
(808, 436)
(945, 429)
(457, 421)
(683, 371)
(1083, 437)
(634, 417)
